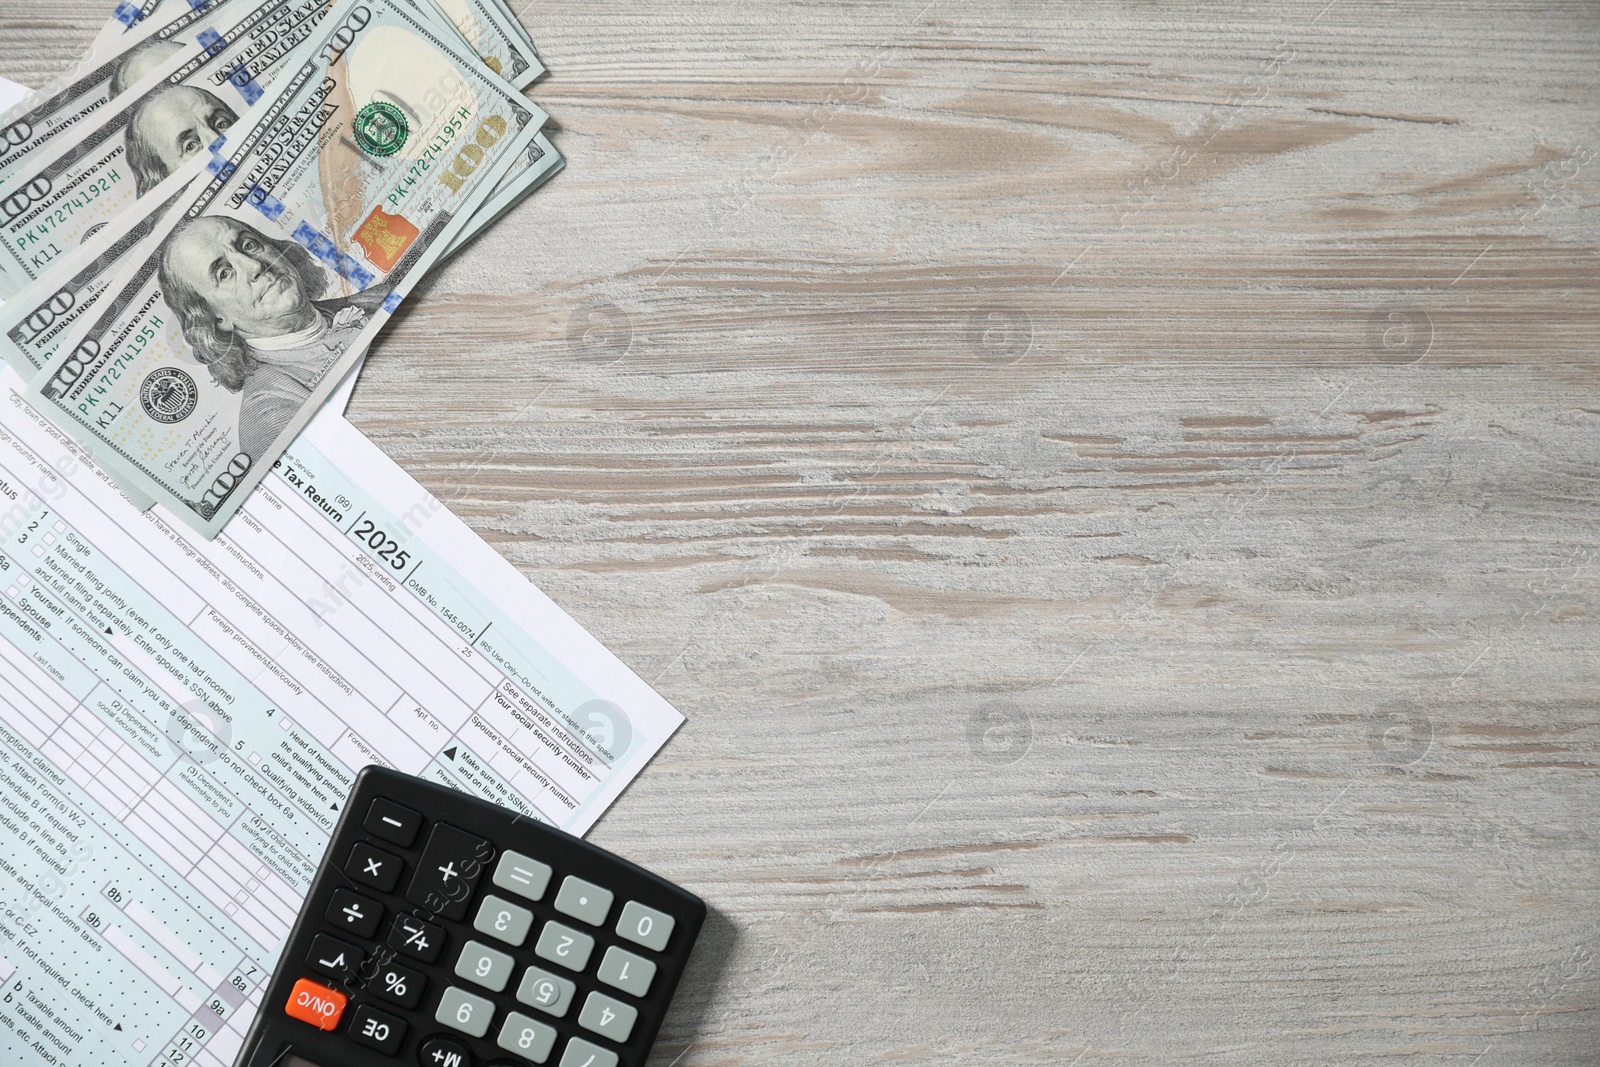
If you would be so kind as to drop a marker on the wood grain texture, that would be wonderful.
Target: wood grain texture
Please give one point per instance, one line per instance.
(1112, 486)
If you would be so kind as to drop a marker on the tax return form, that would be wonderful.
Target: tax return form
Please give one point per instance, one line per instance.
(180, 722)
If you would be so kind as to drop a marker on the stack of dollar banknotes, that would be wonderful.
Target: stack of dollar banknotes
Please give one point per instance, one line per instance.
(206, 221)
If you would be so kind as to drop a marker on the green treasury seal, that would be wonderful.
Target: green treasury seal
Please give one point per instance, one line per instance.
(381, 129)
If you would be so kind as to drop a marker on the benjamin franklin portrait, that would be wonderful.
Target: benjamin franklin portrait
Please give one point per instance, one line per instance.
(167, 126)
(139, 61)
(250, 307)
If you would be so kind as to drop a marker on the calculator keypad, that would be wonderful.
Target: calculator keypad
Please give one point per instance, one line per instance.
(376, 1029)
(465, 1011)
(564, 945)
(392, 822)
(443, 1052)
(417, 939)
(316, 1004)
(581, 1053)
(550, 993)
(523, 875)
(527, 1037)
(399, 985)
(626, 971)
(355, 913)
(583, 900)
(487, 967)
(608, 1017)
(334, 958)
(449, 871)
(645, 926)
(503, 920)
(445, 940)
(373, 867)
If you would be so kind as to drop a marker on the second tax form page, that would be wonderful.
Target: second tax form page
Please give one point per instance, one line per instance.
(180, 722)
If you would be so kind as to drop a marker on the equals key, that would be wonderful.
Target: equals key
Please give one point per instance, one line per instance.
(522, 875)
(393, 823)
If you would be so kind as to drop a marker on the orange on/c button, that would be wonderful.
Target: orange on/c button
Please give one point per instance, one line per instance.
(314, 1003)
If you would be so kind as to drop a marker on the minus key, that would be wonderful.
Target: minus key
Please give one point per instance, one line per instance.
(390, 821)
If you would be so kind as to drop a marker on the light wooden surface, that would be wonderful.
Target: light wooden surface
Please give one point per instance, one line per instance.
(1112, 486)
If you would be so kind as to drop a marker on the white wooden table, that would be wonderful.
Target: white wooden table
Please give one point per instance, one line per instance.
(1112, 486)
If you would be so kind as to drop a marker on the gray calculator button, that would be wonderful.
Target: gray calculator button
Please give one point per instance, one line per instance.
(499, 918)
(608, 1017)
(629, 973)
(462, 1011)
(564, 945)
(550, 993)
(481, 964)
(528, 1038)
(582, 1054)
(645, 926)
(522, 875)
(584, 901)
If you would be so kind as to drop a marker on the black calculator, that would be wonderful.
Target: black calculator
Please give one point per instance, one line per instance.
(445, 931)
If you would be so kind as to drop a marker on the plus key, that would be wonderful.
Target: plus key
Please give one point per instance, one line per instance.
(448, 873)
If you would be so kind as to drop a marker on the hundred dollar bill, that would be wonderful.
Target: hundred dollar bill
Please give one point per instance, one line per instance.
(270, 279)
(95, 81)
(53, 186)
(130, 14)
(487, 25)
(538, 164)
(34, 321)
(73, 187)
(511, 18)
(32, 324)
(498, 39)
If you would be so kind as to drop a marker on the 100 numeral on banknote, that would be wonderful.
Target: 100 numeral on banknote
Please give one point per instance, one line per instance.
(62, 194)
(253, 297)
